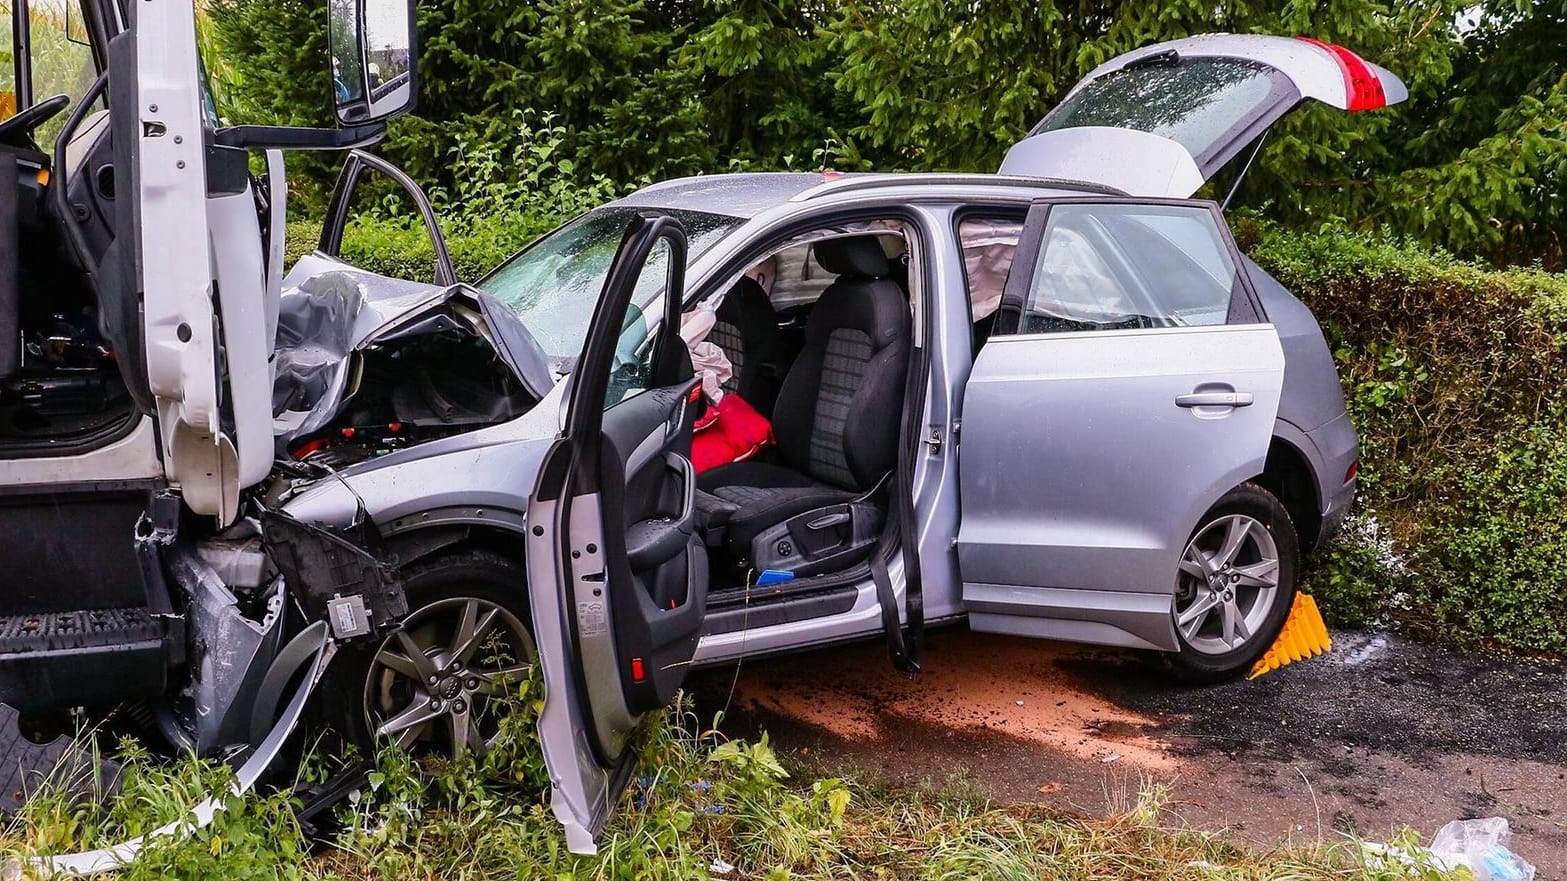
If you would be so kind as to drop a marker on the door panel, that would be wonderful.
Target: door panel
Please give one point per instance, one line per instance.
(616, 572)
(1119, 470)
(1129, 340)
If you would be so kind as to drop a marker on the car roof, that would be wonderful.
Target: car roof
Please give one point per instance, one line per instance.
(750, 194)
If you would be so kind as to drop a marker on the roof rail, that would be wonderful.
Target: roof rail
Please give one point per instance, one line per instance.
(850, 183)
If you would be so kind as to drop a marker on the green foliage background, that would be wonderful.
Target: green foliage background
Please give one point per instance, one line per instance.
(1476, 161)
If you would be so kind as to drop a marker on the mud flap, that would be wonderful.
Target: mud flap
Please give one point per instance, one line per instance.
(26, 766)
(313, 662)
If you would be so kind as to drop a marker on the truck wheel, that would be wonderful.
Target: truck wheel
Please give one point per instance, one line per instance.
(428, 687)
(1235, 586)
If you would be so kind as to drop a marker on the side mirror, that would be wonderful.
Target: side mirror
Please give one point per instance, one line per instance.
(373, 47)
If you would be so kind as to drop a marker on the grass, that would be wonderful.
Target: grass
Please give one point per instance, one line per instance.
(700, 807)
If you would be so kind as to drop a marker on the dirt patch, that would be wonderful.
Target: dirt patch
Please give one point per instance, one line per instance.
(1006, 688)
(1377, 735)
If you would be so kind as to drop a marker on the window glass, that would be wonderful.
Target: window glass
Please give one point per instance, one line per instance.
(7, 65)
(988, 245)
(554, 284)
(632, 372)
(800, 280)
(62, 63)
(1194, 102)
(1111, 267)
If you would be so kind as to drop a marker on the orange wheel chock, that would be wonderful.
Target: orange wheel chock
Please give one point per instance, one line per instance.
(1305, 635)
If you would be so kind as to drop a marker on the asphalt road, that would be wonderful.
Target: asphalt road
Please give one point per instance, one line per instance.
(1378, 734)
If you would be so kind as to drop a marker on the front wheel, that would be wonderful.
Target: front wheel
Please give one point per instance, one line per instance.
(428, 686)
(1235, 585)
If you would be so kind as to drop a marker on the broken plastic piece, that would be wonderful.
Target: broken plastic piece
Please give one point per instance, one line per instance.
(64, 761)
(108, 859)
(1305, 635)
(773, 576)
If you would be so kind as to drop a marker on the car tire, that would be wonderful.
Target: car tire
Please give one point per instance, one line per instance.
(1235, 586)
(362, 688)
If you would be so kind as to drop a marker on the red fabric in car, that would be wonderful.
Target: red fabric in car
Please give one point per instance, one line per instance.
(731, 430)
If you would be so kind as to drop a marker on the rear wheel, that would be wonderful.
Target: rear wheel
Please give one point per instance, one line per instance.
(432, 686)
(1235, 585)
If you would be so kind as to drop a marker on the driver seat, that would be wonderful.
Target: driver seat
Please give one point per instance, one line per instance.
(838, 412)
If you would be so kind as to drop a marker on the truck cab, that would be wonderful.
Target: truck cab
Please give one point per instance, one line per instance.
(140, 275)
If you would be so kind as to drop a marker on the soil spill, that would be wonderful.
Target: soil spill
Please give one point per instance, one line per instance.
(1378, 734)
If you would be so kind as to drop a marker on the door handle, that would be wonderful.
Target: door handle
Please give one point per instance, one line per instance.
(1214, 399)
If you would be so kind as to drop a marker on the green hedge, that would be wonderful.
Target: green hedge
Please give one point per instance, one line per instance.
(403, 250)
(1454, 374)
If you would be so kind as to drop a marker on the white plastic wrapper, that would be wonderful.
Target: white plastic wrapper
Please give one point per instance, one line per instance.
(1482, 847)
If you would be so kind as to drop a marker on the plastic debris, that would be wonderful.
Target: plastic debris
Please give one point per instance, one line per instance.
(1481, 846)
(1305, 635)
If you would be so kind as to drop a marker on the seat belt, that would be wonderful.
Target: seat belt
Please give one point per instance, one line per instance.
(903, 651)
(897, 645)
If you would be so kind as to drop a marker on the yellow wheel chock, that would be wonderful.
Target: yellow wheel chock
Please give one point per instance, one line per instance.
(1305, 635)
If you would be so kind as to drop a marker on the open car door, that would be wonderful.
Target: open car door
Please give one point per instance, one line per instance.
(193, 263)
(617, 574)
(1130, 334)
(1161, 120)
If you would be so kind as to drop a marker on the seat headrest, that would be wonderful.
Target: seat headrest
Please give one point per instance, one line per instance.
(853, 255)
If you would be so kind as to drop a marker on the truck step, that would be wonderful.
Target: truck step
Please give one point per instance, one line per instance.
(87, 657)
(87, 628)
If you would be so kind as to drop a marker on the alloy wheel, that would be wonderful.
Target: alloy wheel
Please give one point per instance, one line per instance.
(1228, 583)
(430, 682)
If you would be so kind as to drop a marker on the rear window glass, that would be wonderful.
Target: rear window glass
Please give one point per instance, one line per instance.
(1194, 102)
(1123, 267)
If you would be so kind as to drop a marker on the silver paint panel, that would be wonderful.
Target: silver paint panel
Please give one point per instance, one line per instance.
(1078, 469)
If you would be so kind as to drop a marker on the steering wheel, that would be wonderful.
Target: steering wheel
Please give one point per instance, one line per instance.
(27, 120)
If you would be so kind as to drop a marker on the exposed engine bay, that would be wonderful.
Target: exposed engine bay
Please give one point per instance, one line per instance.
(367, 365)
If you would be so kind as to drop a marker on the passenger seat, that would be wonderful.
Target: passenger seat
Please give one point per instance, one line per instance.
(747, 331)
(838, 414)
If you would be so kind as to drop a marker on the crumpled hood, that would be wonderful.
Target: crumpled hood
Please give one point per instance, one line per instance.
(329, 309)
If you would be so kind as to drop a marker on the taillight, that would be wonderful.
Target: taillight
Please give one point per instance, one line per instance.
(1362, 86)
(1353, 472)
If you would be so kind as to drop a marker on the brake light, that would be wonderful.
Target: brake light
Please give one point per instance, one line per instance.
(638, 672)
(1353, 472)
(1362, 87)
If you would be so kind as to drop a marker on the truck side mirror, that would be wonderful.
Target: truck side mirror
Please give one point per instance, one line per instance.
(373, 45)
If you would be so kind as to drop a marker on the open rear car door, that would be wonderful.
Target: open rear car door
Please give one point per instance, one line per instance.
(1161, 120)
(617, 574)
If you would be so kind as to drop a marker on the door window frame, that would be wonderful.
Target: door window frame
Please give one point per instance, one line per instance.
(1245, 305)
(341, 205)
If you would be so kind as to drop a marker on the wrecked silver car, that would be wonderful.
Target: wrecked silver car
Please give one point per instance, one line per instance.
(403, 496)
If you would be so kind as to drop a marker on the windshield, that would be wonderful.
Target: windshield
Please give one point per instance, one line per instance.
(555, 283)
(1195, 102)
